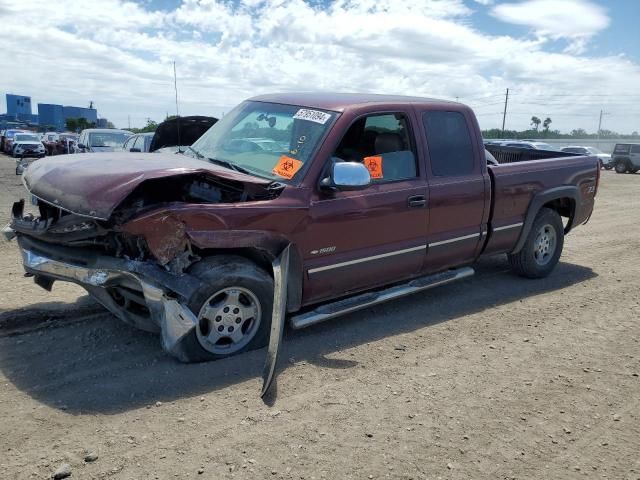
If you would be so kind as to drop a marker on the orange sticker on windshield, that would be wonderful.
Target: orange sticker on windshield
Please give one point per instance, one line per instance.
(287, 167)
(374, 165)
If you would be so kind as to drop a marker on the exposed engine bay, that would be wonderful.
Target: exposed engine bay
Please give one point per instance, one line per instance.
(57, 225)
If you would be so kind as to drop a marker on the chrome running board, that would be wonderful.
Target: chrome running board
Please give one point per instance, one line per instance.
(364, 300)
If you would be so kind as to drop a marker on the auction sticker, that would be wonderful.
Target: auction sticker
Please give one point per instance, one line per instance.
(287, 167)
(312, 116)
(374, 165)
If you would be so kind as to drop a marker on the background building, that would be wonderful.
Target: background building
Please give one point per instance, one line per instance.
(19, 108)
(51, 116)
(89, 114)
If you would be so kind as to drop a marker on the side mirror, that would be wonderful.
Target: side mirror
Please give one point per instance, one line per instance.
(134, 150)
(347, 176)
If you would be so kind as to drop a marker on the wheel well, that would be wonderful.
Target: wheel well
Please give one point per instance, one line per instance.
(264, 259)
(566, 207)
(261, 258)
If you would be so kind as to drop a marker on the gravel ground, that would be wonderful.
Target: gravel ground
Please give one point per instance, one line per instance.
(493, 377)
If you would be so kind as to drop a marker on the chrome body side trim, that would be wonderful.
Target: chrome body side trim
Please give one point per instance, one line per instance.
(453, 240)
(366, 259)
(508, 227)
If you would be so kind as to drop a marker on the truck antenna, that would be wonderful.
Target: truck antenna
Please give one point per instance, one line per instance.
(175, 87)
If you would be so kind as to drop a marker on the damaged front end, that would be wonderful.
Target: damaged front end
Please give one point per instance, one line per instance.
(137, 269)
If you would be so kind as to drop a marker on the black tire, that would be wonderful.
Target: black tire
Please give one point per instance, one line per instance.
(608, 167)
(622, 166)
(528, 262)
(217, 273)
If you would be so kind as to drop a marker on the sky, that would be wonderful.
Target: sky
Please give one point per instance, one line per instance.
(563, 59)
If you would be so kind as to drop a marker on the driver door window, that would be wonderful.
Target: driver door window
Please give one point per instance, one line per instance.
(383, 143)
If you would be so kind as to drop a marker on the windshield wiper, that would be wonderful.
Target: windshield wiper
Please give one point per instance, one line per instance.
(230, 166)
(198, 154)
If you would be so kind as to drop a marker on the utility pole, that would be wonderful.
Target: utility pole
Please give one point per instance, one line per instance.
(599, 125)
(602, 113)
(504, 114)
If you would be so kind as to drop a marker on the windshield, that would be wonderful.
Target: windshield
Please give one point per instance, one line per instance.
(269, 140)
(107, 139)
(543, 146)
(26, 138)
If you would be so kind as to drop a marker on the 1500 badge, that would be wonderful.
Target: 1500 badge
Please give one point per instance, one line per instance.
(323, 250)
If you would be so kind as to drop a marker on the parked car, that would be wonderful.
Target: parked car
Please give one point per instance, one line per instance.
(7, 139)
(138, 142)
(94, 140)
(605, 158)
(376, 197)
(27, 145)
(626, 157)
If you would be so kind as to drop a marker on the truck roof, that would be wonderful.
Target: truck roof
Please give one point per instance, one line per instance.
(339, 102)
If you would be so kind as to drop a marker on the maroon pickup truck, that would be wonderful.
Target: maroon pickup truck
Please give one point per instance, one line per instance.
(297, 207)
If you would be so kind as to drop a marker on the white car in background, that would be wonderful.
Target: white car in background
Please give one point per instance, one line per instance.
(27, 145)
(605, 158)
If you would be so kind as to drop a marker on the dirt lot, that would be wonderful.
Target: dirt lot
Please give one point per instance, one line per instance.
(493, 377)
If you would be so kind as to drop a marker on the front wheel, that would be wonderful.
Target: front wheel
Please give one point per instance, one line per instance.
(233, 306)
(608, 166)
(543, 247)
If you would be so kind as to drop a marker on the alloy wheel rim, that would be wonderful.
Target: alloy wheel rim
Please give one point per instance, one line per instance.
(544, 245)
(228, 320)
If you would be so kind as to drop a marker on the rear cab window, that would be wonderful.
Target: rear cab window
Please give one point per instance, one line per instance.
(635, 148)
(449, 143)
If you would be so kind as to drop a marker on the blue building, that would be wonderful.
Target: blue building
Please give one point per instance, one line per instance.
(90, 114)
(18, 105)
(51, 115)
(19, 108)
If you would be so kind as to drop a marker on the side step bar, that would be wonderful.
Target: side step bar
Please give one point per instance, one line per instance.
(358, 302)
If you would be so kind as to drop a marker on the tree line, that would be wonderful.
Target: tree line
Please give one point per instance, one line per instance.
(546, 132)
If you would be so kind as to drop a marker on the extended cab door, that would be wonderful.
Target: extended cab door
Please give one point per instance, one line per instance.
(459, 187)
(362, 239)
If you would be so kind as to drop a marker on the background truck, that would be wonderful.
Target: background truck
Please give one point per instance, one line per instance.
(295, 206)
(626, 157)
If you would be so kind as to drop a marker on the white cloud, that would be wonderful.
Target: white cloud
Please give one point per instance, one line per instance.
(120, 55)
(576, 20)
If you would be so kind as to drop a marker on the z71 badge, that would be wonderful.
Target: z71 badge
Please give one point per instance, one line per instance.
(323, 250)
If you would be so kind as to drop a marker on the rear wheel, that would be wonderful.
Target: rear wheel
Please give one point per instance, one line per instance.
(233, 306)
(622, 166)
(543, 247)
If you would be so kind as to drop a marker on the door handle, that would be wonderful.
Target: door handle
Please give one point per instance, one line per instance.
(416, 201)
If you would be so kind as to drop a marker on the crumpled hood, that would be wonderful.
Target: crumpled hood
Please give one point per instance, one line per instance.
(94, 185)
